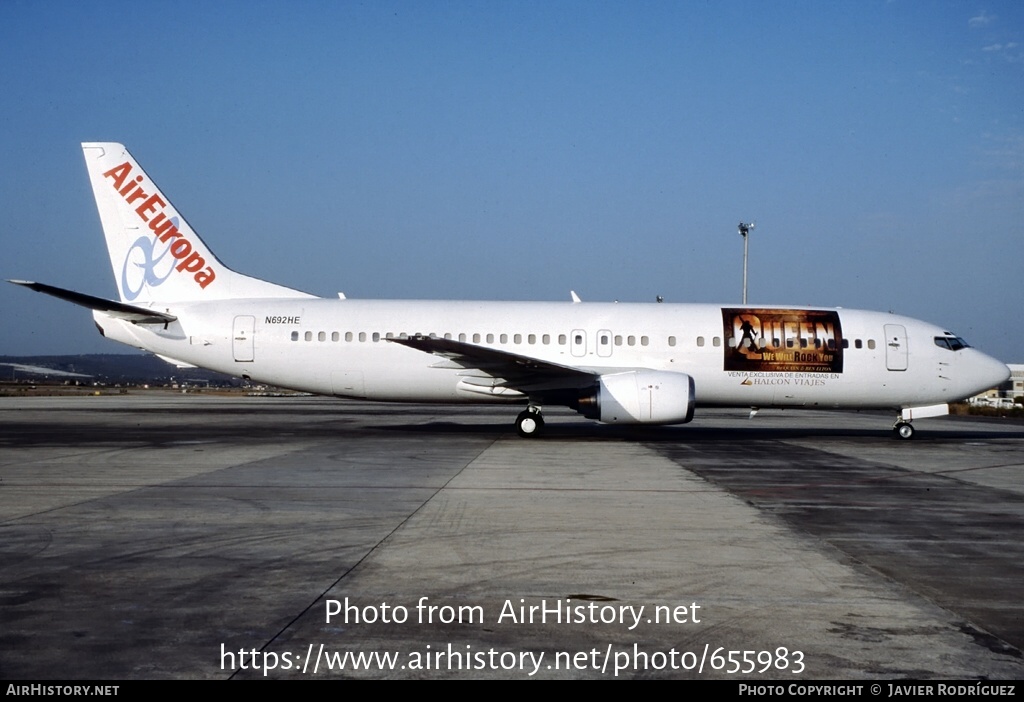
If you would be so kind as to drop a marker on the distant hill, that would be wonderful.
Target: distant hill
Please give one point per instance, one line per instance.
(106, 368)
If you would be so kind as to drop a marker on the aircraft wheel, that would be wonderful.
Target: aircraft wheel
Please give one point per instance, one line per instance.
(904, 430)
(529, 423)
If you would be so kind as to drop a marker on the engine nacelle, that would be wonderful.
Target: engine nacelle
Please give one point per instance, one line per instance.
(640, 397)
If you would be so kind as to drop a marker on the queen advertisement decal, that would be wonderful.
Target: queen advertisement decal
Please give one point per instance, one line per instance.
(780, 340)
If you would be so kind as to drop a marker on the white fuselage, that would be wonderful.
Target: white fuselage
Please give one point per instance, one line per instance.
(340, 347)
(616, 363)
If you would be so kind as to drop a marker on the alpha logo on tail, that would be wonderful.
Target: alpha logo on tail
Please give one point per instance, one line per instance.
(143, 255)
(145, 267)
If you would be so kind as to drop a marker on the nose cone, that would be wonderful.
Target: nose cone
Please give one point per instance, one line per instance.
(987, 372)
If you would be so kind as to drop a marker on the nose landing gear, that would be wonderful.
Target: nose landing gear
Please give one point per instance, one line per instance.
(903, 429)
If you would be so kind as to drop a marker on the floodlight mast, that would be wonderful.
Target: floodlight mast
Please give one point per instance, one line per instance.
(744, 232)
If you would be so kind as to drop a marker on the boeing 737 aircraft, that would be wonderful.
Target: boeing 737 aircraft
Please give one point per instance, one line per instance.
(616, 363)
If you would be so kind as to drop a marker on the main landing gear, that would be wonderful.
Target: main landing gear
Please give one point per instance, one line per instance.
(903, 429)
(530, 421)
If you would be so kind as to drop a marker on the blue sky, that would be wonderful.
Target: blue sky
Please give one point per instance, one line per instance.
(517, 150)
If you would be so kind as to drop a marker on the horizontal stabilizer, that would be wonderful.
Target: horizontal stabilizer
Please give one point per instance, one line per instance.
(175, 362)
(135, 315)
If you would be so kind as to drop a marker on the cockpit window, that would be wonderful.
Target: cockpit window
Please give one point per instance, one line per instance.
(953, 343)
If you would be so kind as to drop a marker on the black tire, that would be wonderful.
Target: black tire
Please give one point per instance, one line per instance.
(529, 424)
(904, 430)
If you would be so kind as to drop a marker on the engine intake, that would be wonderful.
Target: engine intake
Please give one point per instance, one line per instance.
(639, 397)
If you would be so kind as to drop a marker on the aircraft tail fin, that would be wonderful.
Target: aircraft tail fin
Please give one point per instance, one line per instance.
(155, 254)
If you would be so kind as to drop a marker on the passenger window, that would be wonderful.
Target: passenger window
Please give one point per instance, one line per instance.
(700, 341)
(462, 337)
(295, 336)
(716, 342)
(503, 338)
(644, 341)
(518, 339)
(532, 339)
(362, 336)
(671, 341)
(871, 343)
(561, 339)
(546, 339)
(618, 340)
(309, 336)
(858, 344)
(630, 340)
(476, 338)
(376, 337)
(348, 336)
(490, 338)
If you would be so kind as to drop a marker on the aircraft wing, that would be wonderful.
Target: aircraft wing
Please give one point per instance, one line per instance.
(130, 313)
(501, 368)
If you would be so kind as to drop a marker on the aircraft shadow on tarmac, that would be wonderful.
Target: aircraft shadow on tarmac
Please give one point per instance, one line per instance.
(585, 431)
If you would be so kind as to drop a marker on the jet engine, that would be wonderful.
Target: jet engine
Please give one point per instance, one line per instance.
(639, 397)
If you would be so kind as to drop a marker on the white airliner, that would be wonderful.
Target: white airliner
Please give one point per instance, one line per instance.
(616, 363)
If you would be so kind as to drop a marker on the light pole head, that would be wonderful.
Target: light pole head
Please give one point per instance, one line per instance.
(745, 229)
